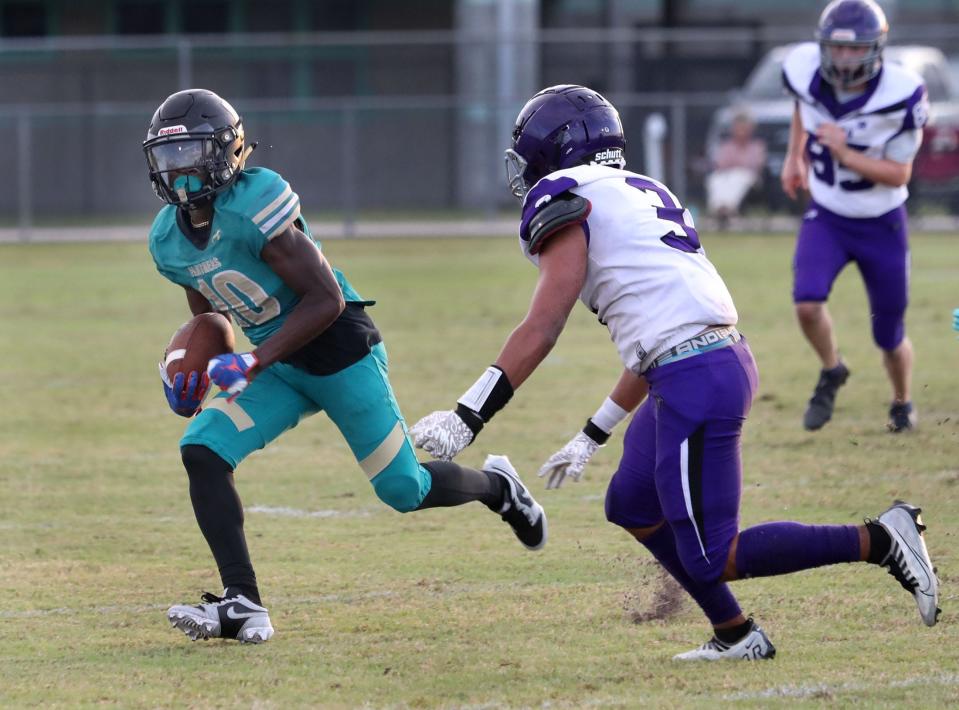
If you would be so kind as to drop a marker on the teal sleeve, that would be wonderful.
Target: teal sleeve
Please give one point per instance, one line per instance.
(269, 203)
(166, 272)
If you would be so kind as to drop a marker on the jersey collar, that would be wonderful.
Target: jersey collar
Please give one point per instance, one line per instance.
(199, 238)
(822, 91)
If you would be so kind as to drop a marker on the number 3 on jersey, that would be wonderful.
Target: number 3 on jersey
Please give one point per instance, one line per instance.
(241, 295)
(682, 235)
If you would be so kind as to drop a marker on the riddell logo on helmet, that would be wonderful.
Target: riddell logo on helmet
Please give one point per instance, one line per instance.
(170, 130)
(610, 156)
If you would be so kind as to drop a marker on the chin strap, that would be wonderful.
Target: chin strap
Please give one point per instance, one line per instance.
(246, 153)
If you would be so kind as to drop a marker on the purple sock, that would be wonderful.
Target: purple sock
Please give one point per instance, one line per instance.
(715, 599)
(779, 548)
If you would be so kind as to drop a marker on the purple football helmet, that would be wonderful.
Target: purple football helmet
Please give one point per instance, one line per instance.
(851, 23)
(558, 128)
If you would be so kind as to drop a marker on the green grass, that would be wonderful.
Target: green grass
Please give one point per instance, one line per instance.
(443, 608)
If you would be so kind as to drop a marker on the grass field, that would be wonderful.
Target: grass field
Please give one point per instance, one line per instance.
(444, 608)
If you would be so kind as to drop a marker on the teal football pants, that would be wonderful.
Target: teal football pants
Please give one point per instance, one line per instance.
(358, 399)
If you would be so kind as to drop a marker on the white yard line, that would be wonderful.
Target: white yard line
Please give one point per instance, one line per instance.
(434, 589)
(269, 510)
(151, 608)
(286, 512)
(64, 610)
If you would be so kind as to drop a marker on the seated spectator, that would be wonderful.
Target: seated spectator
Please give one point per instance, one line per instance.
(737, 167)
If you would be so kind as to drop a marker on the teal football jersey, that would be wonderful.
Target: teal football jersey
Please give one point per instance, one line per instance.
(229, 271)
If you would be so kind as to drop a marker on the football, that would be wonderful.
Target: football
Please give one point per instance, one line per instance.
(195, 342)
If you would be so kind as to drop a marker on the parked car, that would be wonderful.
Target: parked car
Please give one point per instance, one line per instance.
(936, 169)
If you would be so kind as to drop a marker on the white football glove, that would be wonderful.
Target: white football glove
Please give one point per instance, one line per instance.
(441, 434)
(569, 461)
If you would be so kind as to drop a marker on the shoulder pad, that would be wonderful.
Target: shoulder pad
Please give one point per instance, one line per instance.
(917, 109)
(266, 199)
(900, 80)
(800, 67)
(900, 90)
(561, 211)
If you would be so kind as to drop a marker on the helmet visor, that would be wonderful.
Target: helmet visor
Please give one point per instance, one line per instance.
(183, 166)
(182, 155)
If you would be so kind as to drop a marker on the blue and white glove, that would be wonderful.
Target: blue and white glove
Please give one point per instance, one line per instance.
(231, 372)
(955, 319)
(569, 461)
(185, 401)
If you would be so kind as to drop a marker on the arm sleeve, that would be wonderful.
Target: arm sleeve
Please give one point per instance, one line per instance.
(169, 274)
(917, 109)
(173, 277)
(902, 148)
(273, 208)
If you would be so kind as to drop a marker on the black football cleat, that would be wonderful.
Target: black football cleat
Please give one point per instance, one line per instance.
(823, 399)
(902, 417)
(520, 510)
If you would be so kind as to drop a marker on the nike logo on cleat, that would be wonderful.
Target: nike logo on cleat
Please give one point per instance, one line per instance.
(925, 585)
(232, 613)
(523, 497)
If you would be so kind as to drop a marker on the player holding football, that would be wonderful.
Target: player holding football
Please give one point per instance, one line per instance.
(234, 239)
(856, 127)
(625, 246)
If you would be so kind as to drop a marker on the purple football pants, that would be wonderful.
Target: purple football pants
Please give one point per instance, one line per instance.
(878, 245)
(681, 464)
(681, 456)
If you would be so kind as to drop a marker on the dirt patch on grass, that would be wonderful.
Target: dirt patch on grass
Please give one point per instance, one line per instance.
(656, 596)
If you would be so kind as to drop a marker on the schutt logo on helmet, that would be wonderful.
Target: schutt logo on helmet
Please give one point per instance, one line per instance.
(610, 156)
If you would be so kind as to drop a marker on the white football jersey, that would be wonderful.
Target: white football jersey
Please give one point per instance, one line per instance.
(894, 102)
(648, 279)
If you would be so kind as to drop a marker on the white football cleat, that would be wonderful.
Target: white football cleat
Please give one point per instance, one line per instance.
(234, 617)
(521, 511)
(753, 646)
(908, 560)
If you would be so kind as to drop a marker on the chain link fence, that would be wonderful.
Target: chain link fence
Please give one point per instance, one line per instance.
(374, 123)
